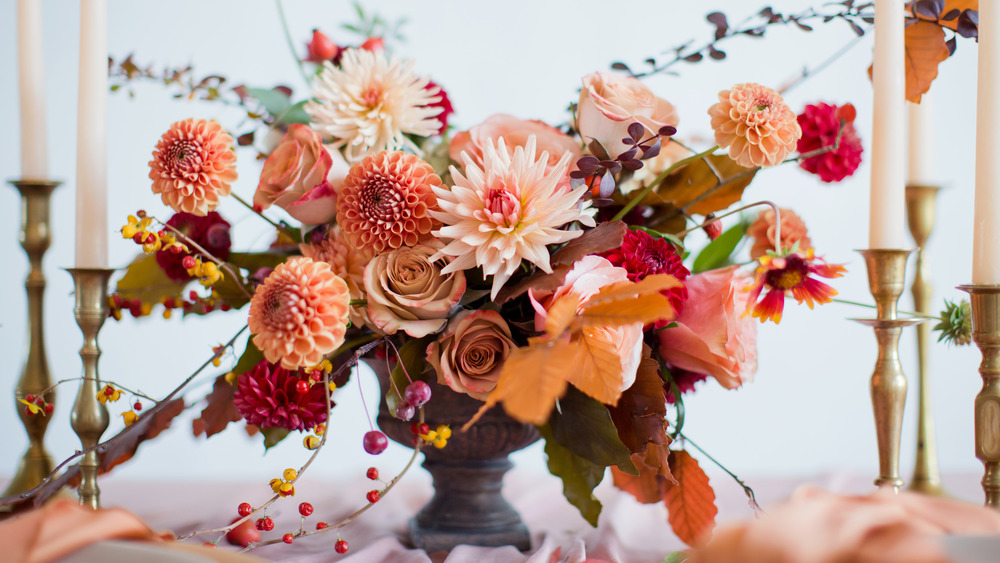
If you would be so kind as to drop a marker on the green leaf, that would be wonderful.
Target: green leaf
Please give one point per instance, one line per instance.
(579, 476)
(253, 261)
(250, 358)
(584, 427)
(295, 114)
(676, 557)
(146, 281)
(412, 356)
(718, 251)
(275, 102)
(272, 436)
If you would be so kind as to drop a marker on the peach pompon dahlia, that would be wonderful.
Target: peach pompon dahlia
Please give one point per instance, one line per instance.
(193, 166)
(756, 124)
(507, 211)
(372, 102)
(386, 200)
(299, 314)
(347, 262)
(790, 274)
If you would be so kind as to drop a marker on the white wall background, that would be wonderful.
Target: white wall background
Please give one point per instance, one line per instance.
(807, 413)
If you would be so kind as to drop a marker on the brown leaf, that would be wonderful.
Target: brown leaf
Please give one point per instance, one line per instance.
(155, 421)
(596, 368)
(691, 502)
(219, 411)
(925, 49)
(650, 485)
(696, 189)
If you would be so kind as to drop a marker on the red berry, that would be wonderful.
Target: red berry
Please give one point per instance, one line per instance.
(244, 509)
(150, 238)
(425, 428)
(302, 387)
(224, 307)
(141, 214)
(27, 411)
(189, 262)
(417, 393)
(321, 525)
(288, 538)
(847, 113)
(176, 249)
(341, 546)
(29, 398)
(49, 408)
(372, 496)
(404, 410)
(137, 406)
(137, 238)
(373, 44)
(265, 524)
(372, 473)
(315, 376)
(375, 442)
(208, 308)
(208, 544)
(415, 428)
(161, 233)
(305, 509)
(259, 524)
(192, 295)
(39, 400)
(109, 390)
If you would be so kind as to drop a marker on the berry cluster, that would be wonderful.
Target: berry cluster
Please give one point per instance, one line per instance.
(283, 486)
(415, 396)
(438, 437)
(36, 404)
(138, 230)
(208, 273)
(109, 394)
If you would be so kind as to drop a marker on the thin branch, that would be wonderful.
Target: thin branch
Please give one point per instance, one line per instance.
(746, 489)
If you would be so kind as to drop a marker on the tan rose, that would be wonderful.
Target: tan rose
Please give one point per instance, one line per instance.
(469, 354)
(610, 103)
(407, 291)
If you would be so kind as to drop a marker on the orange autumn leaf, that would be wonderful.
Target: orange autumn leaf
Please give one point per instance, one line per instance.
(925, 49)
(650, 485)
(596, 368)
(645, 309)
(691, 502)
(561, 314)
(630, 290)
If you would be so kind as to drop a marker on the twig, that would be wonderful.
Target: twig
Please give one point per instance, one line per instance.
(746, 489)
(223, 265)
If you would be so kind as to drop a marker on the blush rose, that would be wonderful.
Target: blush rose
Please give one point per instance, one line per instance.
(610, 103)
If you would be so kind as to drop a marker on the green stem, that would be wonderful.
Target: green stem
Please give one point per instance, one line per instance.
(291, 45)
(663, 175)
(277, 226)
(908, 313)
(746, 489)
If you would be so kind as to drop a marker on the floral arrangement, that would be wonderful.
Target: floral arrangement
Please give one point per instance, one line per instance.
(544, 269)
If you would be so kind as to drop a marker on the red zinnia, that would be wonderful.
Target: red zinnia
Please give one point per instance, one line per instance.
(642, 254)
(211, 232)
(784, 274)
(820, 124)
(267, 396)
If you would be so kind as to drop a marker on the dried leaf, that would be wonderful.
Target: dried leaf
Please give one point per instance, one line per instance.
(640, 414)
(691, 502)
(155, 421)
(651, 484)
(146, 281)
(532, 378)
(696, 189)
(561, 314)
(925, 49)
(596, 368)
(646, 308)
(625, 290)
(219, 411)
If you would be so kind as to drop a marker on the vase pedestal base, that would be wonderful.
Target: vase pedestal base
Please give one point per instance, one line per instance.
(468, 508)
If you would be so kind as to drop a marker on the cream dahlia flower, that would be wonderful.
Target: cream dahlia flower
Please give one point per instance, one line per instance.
(371, 102)
(507, 211)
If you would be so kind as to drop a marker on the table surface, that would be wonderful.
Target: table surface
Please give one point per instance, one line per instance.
(627, 531)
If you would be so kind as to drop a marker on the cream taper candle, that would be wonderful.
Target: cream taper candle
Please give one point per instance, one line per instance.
(91, 138)
(31, 90)
(986, 215)
(921, 143)
(887, 218)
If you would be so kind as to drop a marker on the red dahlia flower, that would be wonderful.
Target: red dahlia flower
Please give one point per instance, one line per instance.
(642, 254)
(268, 397)
(820, 124)
(781, 275)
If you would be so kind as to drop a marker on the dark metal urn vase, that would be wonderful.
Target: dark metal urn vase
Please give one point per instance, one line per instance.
(467, 506)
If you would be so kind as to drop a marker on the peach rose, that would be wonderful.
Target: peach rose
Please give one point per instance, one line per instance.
(515, 133)
(793, 230)
(610, 103)
(301, 177)
(407, 291)
(588, 276)
(713, 336)
(468, 355)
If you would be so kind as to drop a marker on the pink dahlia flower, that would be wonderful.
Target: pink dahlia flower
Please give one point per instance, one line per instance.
(210, 232)
(755, 124)
(386, 202)
(820, 125)
(193, 166)
(299, 314)
(267, 396)
(507, 211)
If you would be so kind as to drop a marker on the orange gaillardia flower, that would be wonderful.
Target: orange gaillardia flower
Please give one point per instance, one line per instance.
(384, 202)
(299, 314)
(193, 166)
(756, 124)
(790, 273)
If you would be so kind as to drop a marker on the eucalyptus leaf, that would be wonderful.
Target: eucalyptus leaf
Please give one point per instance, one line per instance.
(719, 250)
(295, 114)
(579, 477)
(275, 102)
(583, 425)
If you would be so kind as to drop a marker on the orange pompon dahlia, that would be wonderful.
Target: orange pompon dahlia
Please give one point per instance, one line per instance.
(756, 124)
(299, 314)
(385, 202)
(347, 262)
(193, 166)
(781, 275)
(793, 230)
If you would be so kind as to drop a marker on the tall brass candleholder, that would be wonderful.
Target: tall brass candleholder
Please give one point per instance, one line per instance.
(886, 278)
(89, 417)
(985, 301)
(920, 217)
(36, 236)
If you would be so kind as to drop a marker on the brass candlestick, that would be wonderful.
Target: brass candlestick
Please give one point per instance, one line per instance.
(985, 301)
(89, 417)
(886, 278)
(35, 236)
(920, 217)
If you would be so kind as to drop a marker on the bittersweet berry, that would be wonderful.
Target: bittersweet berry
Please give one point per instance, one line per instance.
(288, 538)
(341, 546)
(372, 473)
(321, 525)
(302, 387)
(305, 509)
(244, 509)
(373, 496)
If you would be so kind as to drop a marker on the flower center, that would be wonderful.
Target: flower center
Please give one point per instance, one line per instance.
(182, 156)
(372, 97)
(790, 276)
(281, 308)
(381, 200)
(502, 207)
